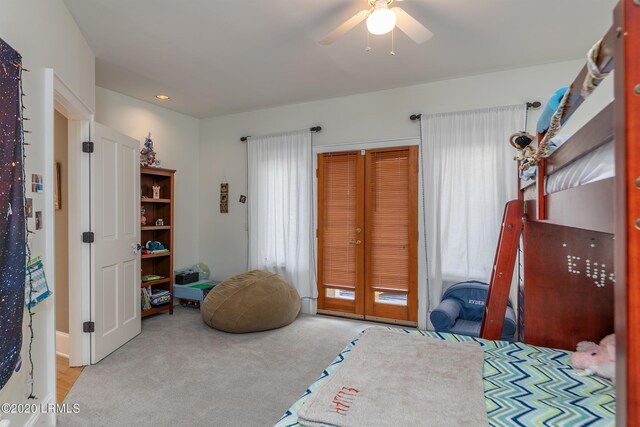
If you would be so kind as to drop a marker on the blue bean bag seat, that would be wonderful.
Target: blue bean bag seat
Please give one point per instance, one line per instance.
(460, 311)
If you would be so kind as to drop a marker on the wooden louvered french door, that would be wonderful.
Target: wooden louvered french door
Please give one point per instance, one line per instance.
(368, 234)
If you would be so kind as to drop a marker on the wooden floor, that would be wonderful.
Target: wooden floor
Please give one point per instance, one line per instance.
(66, 377)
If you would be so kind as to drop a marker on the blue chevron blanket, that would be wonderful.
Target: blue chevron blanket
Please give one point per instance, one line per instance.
(524, 385)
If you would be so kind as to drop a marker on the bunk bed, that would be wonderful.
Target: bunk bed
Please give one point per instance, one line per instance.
(567, 235)
(581, 238)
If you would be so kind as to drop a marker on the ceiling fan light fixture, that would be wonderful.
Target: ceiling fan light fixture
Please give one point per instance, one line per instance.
(382, 19)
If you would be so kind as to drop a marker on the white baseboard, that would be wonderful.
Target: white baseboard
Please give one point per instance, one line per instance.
(62, 344)
(42, 419)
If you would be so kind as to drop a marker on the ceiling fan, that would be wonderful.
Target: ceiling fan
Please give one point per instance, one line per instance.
(380, 20)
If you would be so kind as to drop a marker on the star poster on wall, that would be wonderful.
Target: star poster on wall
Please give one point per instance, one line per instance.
(12, 212)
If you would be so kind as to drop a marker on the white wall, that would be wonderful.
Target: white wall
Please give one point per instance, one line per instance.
(205, 151)
(175, 140)
(46, 35)
(372, 116)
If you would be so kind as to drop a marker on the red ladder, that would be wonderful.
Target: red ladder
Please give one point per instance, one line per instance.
(503, 265)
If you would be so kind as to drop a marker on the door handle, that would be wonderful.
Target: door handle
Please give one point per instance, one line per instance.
(355, 242)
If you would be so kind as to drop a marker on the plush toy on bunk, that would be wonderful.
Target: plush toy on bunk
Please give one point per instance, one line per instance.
(521, 141)
(596, 359)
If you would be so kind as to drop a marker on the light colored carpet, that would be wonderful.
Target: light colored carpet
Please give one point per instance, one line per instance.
(181, 372)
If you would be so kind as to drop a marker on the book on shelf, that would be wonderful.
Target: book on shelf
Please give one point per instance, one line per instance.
(151, 277)
(146, 298)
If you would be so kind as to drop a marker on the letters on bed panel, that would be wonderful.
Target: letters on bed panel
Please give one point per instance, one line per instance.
(568, 285)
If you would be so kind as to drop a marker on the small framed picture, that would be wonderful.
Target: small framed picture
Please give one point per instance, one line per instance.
(28, 207)
(39, 223)
(36, 183)
(224, 197)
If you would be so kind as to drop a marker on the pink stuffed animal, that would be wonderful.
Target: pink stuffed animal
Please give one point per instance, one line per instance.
(597, 359)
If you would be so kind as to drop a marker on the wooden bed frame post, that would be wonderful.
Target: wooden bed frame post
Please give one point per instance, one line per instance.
(627, 247)
(540, 178)
(502, 274)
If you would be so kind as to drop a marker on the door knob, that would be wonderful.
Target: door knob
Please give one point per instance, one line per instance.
(355, 242)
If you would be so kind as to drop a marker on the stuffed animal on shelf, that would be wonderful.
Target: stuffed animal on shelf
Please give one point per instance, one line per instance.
(154, 246)
(597, 359)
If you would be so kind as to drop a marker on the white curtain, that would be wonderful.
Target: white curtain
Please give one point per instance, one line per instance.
(280, 168)
(469, 176)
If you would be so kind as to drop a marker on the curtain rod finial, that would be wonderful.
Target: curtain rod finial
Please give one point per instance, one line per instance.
(534, 104)
(415, 117)
(316, 129)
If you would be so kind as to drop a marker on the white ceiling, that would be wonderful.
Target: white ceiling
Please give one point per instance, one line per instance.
(221, 56)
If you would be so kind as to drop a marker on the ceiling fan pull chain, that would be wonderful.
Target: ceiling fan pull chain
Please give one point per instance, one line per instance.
(393, 52)
(368, 48)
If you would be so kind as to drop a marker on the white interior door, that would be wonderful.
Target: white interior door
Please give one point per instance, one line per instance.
(115, 293)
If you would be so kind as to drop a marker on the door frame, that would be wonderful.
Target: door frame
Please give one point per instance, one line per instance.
(371, 145)
(59, 96)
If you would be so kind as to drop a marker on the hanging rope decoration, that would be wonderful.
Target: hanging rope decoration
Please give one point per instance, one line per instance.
(13, 224)
(528, 156)
(594, 74)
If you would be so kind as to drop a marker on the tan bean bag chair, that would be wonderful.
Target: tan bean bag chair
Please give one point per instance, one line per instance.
(251, 302)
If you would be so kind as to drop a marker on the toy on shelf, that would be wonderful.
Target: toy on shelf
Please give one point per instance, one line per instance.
(148, 155)
(143, 218)
(160, 297)
(154, 247)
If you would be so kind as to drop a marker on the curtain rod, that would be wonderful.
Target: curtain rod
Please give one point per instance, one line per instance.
(533, 104)
(313, 129)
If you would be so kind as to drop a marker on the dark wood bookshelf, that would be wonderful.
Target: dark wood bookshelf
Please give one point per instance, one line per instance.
(160, 264)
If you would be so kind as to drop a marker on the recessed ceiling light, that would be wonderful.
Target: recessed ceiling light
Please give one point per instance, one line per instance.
(162, 97)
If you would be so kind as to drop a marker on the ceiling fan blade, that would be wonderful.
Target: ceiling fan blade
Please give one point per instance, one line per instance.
(346, 27)
(411, 27)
